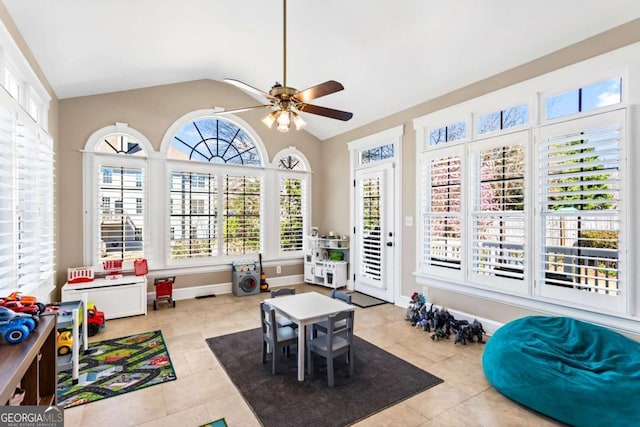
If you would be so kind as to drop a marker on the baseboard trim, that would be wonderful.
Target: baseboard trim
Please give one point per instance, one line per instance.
(223, 288)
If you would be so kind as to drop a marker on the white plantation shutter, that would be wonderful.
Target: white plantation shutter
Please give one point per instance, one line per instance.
(498, 216)
(372, 220)
(46, 175)
(7, 200)
(442, 211)
(27, 208)
(580, 204)
(292, 210)
(242, 213)
(193, 215)
(27, 240)
(120, 210)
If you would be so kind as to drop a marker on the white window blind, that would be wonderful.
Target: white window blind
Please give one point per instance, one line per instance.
(121, 214)
(46, 174)
(292, 209)
(372, 220)
(26, 210)
(27, 207)
(8, 203)
(442, 211)
(242, 208)
(498, 213)
(193, 215)
(581, 204)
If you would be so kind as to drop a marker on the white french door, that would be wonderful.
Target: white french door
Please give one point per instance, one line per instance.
(374, 240)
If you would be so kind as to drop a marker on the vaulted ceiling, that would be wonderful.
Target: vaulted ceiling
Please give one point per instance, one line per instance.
(389, 55)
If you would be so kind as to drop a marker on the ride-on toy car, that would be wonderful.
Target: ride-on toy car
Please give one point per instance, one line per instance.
(16, 327)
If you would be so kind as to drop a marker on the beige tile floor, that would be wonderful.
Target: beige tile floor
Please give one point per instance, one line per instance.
(203, 392)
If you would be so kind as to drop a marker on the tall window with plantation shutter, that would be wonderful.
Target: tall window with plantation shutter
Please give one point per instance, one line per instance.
(581, 204)
(27, 230)
(293, 179)
(498, 213)
(442, 212)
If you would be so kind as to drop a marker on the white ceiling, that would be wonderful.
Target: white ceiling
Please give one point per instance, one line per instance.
(389, 54)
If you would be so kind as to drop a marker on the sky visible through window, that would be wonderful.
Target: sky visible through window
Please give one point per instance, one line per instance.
(597, 95)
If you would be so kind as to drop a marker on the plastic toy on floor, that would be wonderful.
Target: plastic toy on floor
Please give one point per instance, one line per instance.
(417, 303)
(164, 291)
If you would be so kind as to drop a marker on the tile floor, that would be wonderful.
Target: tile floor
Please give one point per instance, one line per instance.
(203, 392)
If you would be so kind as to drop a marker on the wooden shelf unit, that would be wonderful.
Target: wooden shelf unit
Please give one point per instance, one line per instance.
(32, 365)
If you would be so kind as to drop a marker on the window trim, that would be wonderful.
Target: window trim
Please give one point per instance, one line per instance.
(521, 137)
(272, 245)
(90, 164)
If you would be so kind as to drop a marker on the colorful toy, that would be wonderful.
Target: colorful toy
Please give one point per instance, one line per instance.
(16, 327)
(164, 290)
(80, 274)
(113, 268)
(65, 342)
(18, 307)
(95, 322)
(417, 304)
(24, 300)
(96, 319)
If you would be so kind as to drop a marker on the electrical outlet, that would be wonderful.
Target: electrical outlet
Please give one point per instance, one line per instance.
(278, 269)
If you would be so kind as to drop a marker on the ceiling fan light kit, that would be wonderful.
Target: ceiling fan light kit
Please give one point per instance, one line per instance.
(287, 102)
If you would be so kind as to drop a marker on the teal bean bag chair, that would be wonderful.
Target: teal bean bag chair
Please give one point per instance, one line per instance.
(576, 372)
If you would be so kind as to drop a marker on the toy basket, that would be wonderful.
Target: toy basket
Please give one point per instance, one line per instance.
(79, 274)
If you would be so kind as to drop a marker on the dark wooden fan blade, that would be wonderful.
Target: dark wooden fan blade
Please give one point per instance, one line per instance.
(240, 110)
(326, 112)
(326, 88)
(248, 88)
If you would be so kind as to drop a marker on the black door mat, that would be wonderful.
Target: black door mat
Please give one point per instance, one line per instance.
(364, 301)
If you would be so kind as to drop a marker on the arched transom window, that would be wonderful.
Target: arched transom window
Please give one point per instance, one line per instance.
(120, 144)
(214, 140)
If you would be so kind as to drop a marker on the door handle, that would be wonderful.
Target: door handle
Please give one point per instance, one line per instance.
(389, 243)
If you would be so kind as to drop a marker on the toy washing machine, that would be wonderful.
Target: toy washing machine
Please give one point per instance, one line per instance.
(245, 279)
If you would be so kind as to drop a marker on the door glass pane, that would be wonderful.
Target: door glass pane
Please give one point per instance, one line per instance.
(371, 242)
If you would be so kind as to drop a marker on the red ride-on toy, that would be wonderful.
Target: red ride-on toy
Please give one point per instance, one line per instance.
(164, 290)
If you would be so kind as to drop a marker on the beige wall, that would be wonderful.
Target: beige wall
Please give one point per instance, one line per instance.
(336, 153)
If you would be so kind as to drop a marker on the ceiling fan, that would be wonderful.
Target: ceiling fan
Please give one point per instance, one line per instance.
(286, 102)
